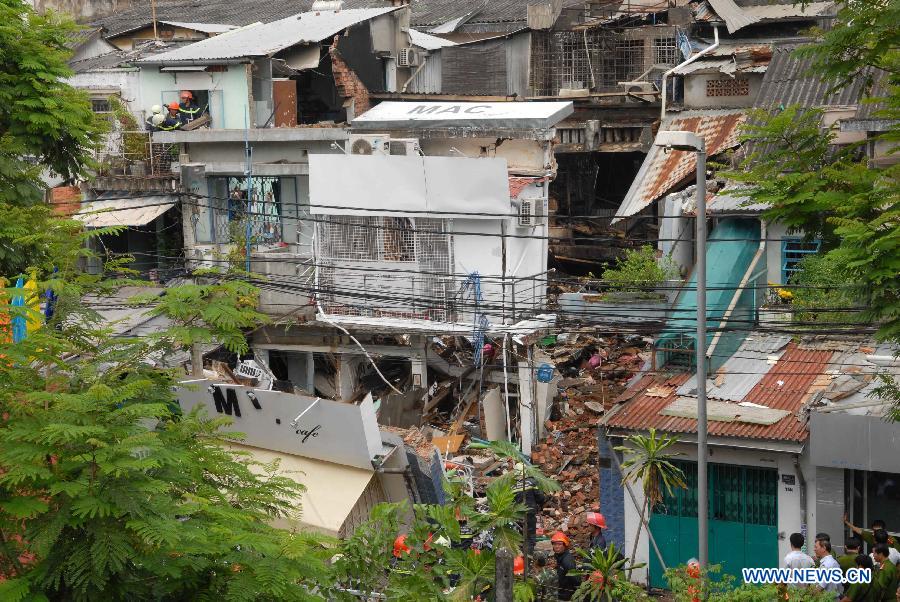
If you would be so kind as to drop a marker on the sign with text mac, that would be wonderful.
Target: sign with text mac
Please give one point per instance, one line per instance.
(343, 433)
(488, 115)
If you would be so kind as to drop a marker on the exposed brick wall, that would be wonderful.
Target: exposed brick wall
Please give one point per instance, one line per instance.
(348, 84)
(612, 495)
(65, 200)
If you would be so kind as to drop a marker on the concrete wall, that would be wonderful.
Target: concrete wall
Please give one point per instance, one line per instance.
(227, 90)
(775, 232)
(789, 496)
(125, 82)
(83, 10)
(695, 91)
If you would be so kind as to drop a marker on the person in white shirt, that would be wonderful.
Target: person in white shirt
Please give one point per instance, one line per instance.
(822, 550)
(881, 536)
(796, 559)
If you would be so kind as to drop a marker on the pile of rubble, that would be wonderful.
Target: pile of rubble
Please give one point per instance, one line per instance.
(594, 371)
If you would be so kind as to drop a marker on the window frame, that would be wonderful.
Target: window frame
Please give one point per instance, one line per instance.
(788, 265)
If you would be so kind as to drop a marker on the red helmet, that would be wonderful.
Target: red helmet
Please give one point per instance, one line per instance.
(173, 105)
(519, 565)
(400, 546)
(561, 537)
(596, 519)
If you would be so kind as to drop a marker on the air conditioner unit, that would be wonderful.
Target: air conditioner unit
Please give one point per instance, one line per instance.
(639, 87)
(405, 146)
(369, 144)
(529, 212)
(409, 57)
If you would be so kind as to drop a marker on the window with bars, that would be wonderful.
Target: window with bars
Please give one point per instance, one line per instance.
(665, 52)
(229, 196)
(793, 250)
(100, 105)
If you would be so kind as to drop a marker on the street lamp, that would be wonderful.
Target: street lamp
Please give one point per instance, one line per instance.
(689, 141)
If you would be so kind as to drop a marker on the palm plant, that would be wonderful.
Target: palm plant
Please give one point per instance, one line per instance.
(603, 583)
(648, 460)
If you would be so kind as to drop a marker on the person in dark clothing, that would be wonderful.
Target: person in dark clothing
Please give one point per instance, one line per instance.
(565, 564)
(188, 109)
(861, 592)
(528, 493)
(597, 523)
(172, 120)
(544, 580)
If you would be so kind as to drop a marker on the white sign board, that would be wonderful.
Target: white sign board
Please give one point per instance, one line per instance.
(363, 184)
(483, 115)
(342, 433)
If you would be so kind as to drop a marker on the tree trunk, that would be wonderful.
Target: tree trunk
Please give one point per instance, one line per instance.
(637, 537)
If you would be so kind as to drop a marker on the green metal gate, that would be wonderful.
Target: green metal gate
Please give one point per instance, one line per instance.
(743, 514)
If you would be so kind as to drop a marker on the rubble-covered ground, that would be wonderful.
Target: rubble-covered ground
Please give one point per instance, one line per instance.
(569, 452)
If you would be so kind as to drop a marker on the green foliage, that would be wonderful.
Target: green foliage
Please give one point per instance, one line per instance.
(640, 271)
(606, 580)
(821, 284)
(648, 460)
(686, 586)
(44, 122)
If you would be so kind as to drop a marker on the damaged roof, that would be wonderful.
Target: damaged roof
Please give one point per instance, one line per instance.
(266, 39)
(737, 15)
(783, 390)
(764, 390)
(663, 171)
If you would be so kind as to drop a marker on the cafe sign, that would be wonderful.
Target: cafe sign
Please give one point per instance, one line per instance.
(342, 433)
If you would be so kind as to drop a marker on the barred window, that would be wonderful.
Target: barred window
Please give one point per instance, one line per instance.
(664, 51)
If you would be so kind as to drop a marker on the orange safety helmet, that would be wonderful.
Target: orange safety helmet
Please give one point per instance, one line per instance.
(519, 565)
(186, 94)
(400, 546)
(596, 519)
(173, 105)
(561, 537)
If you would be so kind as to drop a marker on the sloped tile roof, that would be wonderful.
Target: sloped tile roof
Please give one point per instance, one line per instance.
(785, 386)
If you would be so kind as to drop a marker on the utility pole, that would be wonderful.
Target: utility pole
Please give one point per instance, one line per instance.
(700, 350)
(503, 582)
(153, 12)
(691, 142)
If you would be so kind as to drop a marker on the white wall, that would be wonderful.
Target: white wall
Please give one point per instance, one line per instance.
(774, 233)
(789, 507)
(695, 91)
(127, 82)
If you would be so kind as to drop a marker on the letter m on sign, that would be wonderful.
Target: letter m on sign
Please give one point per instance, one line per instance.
(227, 403)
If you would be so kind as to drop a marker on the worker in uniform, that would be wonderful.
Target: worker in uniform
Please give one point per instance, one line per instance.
(597, 523)
(528, 493)
(566, 582)
(172, 120)
(188, 110)
(155, 119)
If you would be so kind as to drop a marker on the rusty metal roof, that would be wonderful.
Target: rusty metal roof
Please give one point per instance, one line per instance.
(786, 386)
(664, 171)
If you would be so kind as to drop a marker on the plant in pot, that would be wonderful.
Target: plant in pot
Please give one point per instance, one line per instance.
(639, 275)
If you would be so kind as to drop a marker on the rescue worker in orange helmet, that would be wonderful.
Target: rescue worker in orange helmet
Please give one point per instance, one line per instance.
(172, 120)
(565, 564)
(597, 523)
(188, 110)
(400, 546)
(519, 565)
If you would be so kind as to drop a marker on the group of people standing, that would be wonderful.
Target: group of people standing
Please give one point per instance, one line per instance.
(883, 561)
(178, 113)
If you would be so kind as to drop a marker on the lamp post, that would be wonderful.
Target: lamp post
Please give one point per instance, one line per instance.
(689, 141)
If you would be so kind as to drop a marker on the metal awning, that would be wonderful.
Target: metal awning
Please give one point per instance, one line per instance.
(120, 209)
(477, 115)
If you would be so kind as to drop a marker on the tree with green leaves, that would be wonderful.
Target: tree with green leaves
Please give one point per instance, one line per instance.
(833, 194)
(46, 126)
(648, 461)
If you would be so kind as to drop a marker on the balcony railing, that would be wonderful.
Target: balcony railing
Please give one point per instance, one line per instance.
(134, 154)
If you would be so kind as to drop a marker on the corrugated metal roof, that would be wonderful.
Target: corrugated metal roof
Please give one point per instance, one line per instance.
(202, 27)
(493, 16)
(777, 12)
(785, 387)
(110, 209)
(791, 79)
(735, 18)
(743, 370)
(428, 41)
(738, 15)
(727, 201)
(265, 39)
(663, 171)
